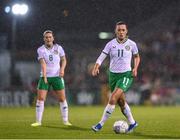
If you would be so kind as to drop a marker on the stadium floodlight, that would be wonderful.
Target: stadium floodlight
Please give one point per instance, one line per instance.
(7, 9)
(106, 35)
(20, 9)
(17, 10)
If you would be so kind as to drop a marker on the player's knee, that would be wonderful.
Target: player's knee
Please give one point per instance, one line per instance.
(41, 98)
(121, 102)
(62, 99)
(112, 100)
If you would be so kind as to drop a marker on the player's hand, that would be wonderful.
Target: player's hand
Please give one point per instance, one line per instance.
(61, 73)
(134, 72)
(45, 80)
(95, 71)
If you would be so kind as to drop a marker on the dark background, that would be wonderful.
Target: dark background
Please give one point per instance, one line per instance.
(153, 24)
(77, 15)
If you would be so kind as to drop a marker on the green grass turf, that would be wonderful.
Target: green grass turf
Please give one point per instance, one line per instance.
(154, 122)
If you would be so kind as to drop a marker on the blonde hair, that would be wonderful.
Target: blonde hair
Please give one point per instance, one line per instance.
(48, 31)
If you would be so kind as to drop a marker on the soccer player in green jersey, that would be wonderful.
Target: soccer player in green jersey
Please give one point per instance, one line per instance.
(121, 51)
(53, 62)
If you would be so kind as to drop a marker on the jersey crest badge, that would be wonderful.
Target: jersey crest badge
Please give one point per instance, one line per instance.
(127, 48)
(55, 51)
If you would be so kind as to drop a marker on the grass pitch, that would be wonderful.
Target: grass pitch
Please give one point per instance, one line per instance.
(154, 123)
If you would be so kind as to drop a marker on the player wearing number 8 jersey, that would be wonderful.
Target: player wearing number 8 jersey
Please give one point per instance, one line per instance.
(121, 51)
(53, 62)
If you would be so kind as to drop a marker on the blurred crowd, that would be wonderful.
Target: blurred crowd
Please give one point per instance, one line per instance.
(160, 68)
(158, 81)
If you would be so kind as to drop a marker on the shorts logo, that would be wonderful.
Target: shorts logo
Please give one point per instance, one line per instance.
(127, 48)
(114, 46)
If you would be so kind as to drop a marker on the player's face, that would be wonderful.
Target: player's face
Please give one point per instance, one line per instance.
(48, 39)
(121, 31)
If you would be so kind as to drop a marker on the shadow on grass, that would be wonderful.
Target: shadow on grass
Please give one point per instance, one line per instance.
(73, 127)
(154, 136)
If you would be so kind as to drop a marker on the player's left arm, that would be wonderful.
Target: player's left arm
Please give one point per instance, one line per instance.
(62, 65)
(136, 64)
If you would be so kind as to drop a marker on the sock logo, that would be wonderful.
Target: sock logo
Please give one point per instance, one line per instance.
(64, 107)
(108, 112)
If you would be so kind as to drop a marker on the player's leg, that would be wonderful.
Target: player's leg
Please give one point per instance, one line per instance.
(63, 106)
(109, 109)
(59, 88)
(125, 83)
(40, 107)
(125, 109)
(42, 92)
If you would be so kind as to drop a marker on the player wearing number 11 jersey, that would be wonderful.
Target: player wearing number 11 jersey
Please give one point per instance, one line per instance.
(121, 51)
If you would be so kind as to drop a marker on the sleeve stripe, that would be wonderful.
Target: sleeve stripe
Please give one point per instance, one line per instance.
(136, 54)
(40, 58)
(104, 53)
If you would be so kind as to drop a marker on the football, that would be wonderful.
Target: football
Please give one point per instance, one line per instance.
(120, 126)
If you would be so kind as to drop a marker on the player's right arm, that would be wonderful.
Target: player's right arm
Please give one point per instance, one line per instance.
(100, 59)
(98, 63)
(42, 63)
(95, 70)
(43, 67)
